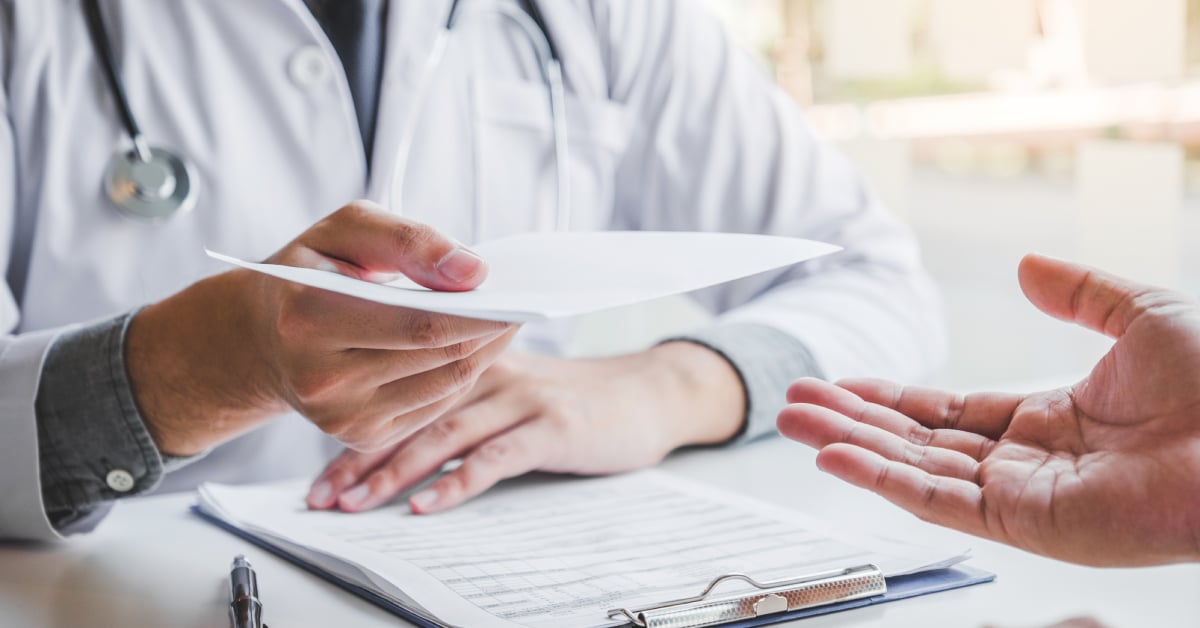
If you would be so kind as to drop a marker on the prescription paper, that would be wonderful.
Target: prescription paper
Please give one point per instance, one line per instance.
(542, 276)
(543, 552)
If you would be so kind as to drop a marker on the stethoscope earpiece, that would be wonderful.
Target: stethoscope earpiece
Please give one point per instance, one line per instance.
(151, 184)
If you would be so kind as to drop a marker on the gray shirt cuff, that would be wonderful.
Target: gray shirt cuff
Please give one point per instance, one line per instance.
(92, 442)
(767, 360)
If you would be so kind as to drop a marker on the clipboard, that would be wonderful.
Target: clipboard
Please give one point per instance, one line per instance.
(895, 588)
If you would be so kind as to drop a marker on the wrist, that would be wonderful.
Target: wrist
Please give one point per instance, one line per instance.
(196, 374)
(709, 404)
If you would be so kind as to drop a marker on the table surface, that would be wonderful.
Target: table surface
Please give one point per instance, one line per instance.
(154, 564)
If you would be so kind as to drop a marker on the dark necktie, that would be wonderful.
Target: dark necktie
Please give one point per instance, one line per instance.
(356, 30)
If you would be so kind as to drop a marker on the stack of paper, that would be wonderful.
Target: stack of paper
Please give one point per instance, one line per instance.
(558, 553)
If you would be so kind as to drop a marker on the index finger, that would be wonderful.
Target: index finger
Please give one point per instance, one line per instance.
(851, 405)
(986, 414)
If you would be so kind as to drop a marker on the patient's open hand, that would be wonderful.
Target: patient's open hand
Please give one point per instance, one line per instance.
(1105, 472)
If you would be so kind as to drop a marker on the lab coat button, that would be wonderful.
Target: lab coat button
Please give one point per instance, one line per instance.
(309, 67)
(119, 480)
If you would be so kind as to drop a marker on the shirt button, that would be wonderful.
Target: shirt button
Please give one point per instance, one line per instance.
(119, 480)
(309, 67)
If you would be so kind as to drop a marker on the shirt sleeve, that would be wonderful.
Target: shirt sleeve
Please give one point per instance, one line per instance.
(93, 446)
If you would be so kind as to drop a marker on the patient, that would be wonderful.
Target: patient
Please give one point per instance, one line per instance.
(1105, 472)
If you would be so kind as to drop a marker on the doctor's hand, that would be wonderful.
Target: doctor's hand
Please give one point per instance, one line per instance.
(1105, 472)
(531, 412)
(236, 349)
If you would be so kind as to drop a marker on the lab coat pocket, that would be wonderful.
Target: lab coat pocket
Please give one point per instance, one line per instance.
(516, 158)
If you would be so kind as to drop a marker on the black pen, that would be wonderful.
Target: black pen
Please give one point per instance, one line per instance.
(245, 609)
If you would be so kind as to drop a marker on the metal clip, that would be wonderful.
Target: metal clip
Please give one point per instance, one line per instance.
(769, 598)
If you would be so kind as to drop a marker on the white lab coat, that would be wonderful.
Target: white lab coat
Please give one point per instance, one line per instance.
(671, 128)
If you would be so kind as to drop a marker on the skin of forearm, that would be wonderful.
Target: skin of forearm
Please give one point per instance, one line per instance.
(193, 366)
(706, 388)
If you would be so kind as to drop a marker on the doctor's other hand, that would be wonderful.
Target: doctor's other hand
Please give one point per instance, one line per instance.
(532, 412)
(1105, 472)
(236, 349)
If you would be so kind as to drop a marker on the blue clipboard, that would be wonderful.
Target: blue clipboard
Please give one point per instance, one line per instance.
(898, 587)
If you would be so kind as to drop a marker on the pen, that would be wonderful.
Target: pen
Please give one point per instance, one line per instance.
(245, 609)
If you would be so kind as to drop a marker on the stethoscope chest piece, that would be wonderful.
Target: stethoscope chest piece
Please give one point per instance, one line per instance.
(155, 188)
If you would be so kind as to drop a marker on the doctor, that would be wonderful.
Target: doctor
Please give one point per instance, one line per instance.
(134, 363)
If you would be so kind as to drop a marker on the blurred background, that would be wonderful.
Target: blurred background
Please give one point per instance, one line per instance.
(996, 128)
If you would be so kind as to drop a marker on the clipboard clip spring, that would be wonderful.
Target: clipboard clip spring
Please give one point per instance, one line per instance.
(769, 598)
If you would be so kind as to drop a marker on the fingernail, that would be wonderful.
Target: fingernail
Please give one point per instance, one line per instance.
(321, 494)
(424, 500)
(460, 264)
(355, 497)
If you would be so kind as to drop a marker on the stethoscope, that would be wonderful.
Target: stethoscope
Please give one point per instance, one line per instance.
(529, 19)
(154, 183)
(148, 182)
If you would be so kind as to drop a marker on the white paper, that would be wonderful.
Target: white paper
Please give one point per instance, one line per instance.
(541, 276)
(559, 553)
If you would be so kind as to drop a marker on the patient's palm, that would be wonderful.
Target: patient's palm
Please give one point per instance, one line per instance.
(1122, 442)
(1105, 472)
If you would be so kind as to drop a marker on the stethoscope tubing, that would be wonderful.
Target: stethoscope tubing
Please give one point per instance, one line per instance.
(124, 179)
(532, 9)
(147, 182)
(529, 20)
(108, 64)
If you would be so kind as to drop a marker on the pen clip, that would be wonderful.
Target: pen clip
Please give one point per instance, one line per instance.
(707, 609)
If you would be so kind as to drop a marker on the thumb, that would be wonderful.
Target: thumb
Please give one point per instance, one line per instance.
(365, 241)
(1086, 296)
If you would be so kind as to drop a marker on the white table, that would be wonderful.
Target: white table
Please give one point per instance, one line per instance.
(152, 564)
